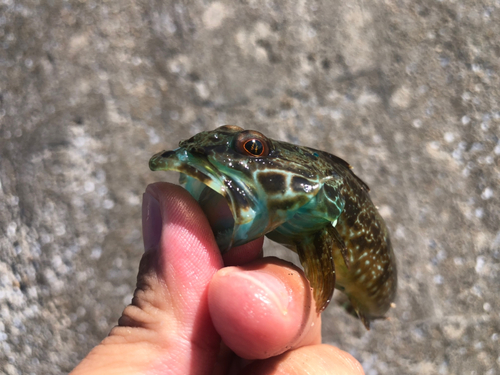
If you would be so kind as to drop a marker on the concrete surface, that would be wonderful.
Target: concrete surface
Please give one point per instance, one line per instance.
(407, 91)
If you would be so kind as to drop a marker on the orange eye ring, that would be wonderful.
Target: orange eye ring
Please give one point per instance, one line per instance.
(254, 147)
(252, 143)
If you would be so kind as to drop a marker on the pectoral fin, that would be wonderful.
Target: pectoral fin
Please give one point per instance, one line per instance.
(316, 257)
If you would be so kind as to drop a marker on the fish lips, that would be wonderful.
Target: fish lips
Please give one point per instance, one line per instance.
(193, 165)
(230, 221)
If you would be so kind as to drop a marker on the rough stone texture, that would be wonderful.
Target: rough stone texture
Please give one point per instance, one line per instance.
(407, 91)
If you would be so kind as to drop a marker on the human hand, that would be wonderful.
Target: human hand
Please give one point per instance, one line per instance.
(186, 302)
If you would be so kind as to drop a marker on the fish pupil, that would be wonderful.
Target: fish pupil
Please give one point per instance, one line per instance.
(254, 147)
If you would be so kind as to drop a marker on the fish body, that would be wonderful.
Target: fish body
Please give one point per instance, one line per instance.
(308, 200)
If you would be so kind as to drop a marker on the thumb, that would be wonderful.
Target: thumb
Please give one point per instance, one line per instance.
(167, 328)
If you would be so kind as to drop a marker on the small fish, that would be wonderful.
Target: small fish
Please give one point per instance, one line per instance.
(307, 200)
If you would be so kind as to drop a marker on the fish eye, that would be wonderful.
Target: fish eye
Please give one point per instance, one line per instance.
(254, 147)
(252, 143)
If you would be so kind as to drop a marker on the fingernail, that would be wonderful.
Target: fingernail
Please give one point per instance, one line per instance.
(151, 221)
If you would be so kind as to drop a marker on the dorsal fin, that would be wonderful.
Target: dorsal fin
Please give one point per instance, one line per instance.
(349, 168)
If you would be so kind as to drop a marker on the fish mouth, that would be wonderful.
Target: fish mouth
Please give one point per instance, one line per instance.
(227, 203)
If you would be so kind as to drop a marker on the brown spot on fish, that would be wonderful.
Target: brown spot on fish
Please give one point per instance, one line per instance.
(287, 204)
(193, 172)
(301, 185)
(237, 193)
(272, 182)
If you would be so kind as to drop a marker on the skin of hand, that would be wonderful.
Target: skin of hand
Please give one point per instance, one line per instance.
(192, 315)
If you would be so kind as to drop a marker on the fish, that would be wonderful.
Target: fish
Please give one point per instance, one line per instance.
(308, 200)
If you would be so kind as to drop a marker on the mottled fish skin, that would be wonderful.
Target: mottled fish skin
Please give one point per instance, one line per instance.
(308, 200)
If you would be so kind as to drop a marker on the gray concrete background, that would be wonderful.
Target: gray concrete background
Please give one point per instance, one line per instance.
(406, 91)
